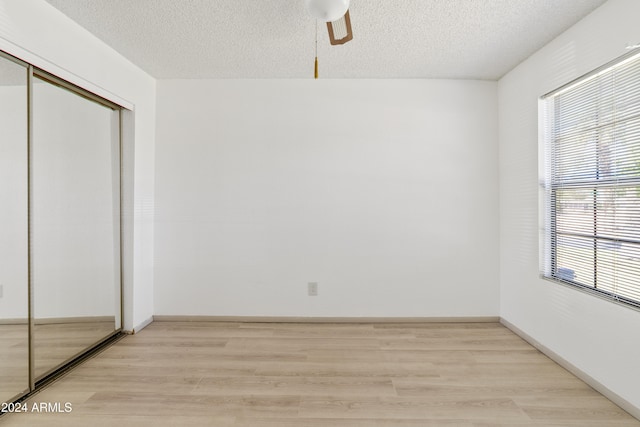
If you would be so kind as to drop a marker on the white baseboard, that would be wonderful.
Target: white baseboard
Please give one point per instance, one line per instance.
(295, 319)
(16, 321)
(595, 384)
(79, 319)
(140, 326)
(59, 320)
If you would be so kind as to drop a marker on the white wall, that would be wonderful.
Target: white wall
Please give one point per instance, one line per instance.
(596, 336)
(34, 29)
(382, 191)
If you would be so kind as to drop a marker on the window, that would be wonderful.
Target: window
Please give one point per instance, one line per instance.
(591, 181)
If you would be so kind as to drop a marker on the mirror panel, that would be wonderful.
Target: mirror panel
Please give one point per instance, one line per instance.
(75, 224)
(14, 303)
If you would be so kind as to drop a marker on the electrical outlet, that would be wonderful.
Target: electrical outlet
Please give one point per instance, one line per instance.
(1, 291)
(312, 289)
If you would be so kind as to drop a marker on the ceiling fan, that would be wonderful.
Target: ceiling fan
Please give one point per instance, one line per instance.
(336, 14)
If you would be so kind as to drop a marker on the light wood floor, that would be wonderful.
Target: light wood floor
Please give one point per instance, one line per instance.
(54, 343)
(297, 375)
(57, 342)
(14, 360)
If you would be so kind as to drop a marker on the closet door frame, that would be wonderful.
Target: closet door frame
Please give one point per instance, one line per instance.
(32, 73)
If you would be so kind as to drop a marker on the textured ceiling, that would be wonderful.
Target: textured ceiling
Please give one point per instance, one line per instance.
(476, 39)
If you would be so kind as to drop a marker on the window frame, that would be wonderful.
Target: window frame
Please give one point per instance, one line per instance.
(548, 205)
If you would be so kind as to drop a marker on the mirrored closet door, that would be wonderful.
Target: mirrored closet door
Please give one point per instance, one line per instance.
(14, 296)
(60, 231)
(75, 218)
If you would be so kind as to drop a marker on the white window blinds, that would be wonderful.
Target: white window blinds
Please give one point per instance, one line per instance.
(591, 182)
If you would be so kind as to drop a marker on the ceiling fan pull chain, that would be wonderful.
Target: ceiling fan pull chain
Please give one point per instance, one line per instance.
(315, 73)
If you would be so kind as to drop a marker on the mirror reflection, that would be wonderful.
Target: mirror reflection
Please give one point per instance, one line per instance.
(14, 333)
(75, 224)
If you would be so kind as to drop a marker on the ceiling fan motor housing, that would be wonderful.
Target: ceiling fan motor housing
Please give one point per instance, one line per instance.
(327, 10)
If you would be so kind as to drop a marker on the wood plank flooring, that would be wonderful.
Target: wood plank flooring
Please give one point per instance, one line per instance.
(286, 375)
(14, 360)
(54, 343)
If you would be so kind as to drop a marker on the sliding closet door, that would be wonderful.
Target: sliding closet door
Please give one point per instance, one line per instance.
(14, 331)
(75, 216)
